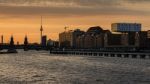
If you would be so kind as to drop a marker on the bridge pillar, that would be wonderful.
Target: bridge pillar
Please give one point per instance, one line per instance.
(138, 56)
(147, 57)
(134, 56)
(122, 55)
(115, 55)
(109, 55)
(130, 56)
(118, 55)
(142, 56)
(126, 56)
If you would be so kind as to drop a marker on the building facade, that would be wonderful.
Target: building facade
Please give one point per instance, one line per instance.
(127, 35)
(92, 39)
(141, 39)
(126, 27)
(44, 40)
(148, 34)
(67, 39)
(112, 40)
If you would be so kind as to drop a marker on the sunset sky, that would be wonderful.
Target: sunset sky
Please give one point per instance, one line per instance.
(22, 17)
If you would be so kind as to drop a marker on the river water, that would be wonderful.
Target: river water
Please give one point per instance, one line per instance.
(39, 67)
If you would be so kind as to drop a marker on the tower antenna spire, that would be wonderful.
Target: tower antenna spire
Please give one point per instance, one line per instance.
(41, 20)
(41, 29)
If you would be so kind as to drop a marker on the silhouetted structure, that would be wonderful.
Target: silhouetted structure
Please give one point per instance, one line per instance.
(11, 42)
(126, 27)
(67, 39)
(12, 46)
(26, 40)
(26, 43)
(127, 36)
(92, 39)
(112, 40)
(148, 38)
(44, 41)
(41, 30)
(2, 40)
(141, 40)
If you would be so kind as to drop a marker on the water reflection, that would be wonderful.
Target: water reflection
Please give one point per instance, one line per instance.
(34, 67)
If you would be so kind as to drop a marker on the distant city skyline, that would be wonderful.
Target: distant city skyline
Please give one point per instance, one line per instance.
(20, 18)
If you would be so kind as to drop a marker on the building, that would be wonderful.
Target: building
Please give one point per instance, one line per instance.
(97, 38)
(2, 39)
(44, 40)
(126, 27)
(129, 33)
(148, 38)
(80, 42)
(76, 33)
(130, 39)
(125, 40)
(92, 39)
(141, 39)
(99, 41)
(89, 41)
(148, 34)
(51, 43)
(67, 39)
(112, 40)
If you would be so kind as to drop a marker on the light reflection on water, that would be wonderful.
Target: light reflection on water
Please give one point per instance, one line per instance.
(34, 67)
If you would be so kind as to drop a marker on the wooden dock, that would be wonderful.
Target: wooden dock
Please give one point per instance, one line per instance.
(106, 54)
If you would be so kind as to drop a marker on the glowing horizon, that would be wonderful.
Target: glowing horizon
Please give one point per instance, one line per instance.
(20, 18)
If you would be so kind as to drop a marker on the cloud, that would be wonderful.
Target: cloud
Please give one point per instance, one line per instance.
(69, 7)
(69, 2)
(137, 1)
(65, 11)
(60, 2)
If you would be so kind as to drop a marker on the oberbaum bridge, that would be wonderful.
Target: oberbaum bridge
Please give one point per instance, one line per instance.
(110, 52)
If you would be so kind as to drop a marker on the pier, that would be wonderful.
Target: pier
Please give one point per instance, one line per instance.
(139, 55)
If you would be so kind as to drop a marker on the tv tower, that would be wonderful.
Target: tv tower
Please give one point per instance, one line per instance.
(41, 29)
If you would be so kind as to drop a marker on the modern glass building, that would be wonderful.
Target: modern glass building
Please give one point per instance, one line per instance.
(126, 27)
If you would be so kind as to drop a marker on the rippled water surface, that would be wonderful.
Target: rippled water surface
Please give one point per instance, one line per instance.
(34, 67)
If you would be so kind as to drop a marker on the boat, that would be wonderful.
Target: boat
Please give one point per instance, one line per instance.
(9, 51)
(12, 51)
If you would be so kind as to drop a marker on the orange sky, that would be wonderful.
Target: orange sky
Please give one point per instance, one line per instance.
(23, 18)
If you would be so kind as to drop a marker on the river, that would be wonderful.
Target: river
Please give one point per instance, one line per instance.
(40, 67)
